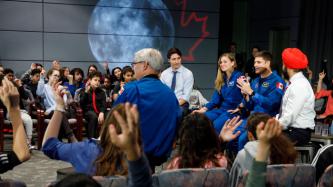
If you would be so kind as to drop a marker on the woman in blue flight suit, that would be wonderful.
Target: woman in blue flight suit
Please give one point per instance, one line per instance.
(227, 95)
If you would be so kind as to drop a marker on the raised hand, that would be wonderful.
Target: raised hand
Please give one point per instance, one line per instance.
(58, 92)
(106, 65)
(227, 133)
(266, 132)
(33, 66)
(100, 118)
(42, 73)
(87, 87)
(18, 82)
(9, 94)
(70, 78)
(322, 75)
(128, 139)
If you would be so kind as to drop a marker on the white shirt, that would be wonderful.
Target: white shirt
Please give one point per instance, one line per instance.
(184, 81)
(298, 104)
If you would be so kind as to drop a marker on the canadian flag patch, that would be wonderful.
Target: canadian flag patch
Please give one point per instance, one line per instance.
(279, 85)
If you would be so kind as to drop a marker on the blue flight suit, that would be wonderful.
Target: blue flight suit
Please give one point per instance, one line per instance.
(268, 93)
(229, 98)
(159, 113)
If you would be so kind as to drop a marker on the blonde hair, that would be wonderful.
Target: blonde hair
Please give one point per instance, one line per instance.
(219, 81)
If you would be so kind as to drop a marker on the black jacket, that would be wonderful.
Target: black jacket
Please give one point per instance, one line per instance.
(86, 100)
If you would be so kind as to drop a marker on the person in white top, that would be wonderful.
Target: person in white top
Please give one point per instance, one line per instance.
(178, 78)
(297, 108)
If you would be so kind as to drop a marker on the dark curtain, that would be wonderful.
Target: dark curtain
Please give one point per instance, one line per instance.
(316, 35)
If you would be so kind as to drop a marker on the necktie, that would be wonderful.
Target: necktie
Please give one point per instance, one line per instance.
(173, 83)
(94, 102)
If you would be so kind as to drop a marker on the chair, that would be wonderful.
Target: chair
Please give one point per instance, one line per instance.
(75, 123)
(114, 181)
(3, 125)
(326, 179)
(306, 153)
(300, 175)
(192, 177)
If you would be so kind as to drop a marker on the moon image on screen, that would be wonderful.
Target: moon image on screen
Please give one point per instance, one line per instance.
(119, 28)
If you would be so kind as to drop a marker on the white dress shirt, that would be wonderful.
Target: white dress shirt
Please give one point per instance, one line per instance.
(298, 104)
(184, 81)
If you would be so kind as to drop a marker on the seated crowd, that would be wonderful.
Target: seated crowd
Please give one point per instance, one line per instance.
(139, 117)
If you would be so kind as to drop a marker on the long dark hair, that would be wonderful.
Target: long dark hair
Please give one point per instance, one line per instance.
(199, 142)
(113, 76)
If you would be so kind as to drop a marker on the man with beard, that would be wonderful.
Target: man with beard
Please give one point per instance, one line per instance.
(297, 110)
(264, 94)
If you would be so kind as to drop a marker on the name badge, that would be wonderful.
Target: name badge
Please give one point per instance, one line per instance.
(231, 83)
(265, 84)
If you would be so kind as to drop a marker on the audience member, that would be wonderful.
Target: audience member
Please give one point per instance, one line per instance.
(10, 98)
(46, 93)
(75, 80)
(64, 72)
(325, 93)
(127, 76)
(77, 179)
(157, 104)
(24, 95)
(322, 160)
(297, 108)
(199, 145)
(115, 76)
(56, 65)
(264, 94)
(25, 78)
(107, 87)
(93, 102)
(32, 84)
(128, 140)
(178, 78)
(282, 149)
(266, 134)
(226, 95)
(91, 156)
(91, 68)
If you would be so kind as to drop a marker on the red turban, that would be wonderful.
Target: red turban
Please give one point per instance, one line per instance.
(294, 58)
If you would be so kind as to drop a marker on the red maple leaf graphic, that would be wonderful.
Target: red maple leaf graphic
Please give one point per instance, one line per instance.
(184, 22)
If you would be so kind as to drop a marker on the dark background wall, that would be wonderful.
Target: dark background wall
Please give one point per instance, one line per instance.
(275, 25)
(44, 30)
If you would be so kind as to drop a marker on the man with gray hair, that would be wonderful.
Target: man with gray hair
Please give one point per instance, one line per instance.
(157, 104)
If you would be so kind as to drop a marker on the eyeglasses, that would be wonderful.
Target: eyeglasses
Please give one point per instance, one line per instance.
(133, 63)
(56, 76)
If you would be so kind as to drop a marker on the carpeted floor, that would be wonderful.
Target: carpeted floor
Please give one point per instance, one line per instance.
(36, 172)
